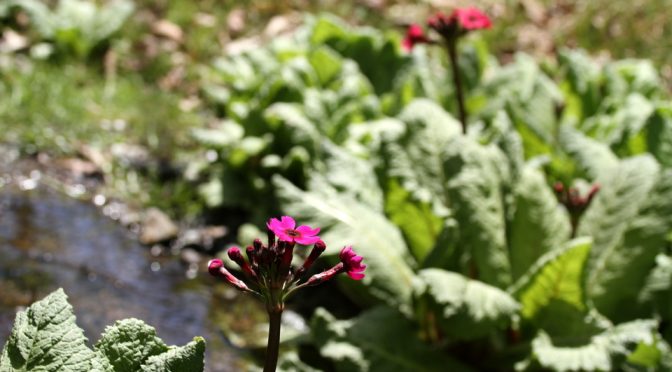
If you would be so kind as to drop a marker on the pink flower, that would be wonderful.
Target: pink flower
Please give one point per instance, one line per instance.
(285, 229)
(471, 18)
(352, 263)
(414, 35)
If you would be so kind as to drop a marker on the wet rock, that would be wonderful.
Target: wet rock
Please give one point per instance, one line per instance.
(156, 227)
(190, 256)
(203, 238)
(79, 168)
(168, 30)
(131, 155)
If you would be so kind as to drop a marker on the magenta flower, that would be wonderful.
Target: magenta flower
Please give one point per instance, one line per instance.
(414, 35)
(471, 18)
(285, 229)
(352, 263)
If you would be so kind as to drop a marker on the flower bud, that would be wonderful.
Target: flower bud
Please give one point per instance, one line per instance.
(216, 268)
(325, 275)
(286, 259)
(318, 248)
(251, 255)
(236, 256)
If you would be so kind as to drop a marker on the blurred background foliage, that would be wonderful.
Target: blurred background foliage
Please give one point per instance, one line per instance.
(247, 109)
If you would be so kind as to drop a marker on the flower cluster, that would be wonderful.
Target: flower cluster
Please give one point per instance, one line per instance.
(450, 27)
(572, 200)
(268, 268)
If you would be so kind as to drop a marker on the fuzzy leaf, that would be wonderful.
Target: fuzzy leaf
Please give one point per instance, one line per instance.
(128, 344)
(539, 224)
(593, 158)
(605, 352)
(187, 358)
(620, 272)
(467, 309)
(45, 338)
(415, 157)
(345, 221)
(553, 287)
(370, 344)
(476, 191)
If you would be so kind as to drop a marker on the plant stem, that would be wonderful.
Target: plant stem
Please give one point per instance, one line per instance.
(273, 346)
(451, 46)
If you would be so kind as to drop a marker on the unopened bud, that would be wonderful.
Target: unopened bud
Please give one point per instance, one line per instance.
(325, 275)
(216, 268)
(251, 255)
(286, 259)
(318, 248)
(558, 187)
(593, 191)
(236, 256)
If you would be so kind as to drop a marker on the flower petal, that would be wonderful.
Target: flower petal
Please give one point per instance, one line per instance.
(288, 222)
(274, 224)
(356, 276)
(307, 230)
(307, 240)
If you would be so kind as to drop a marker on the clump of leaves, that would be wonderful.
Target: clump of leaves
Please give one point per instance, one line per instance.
(45, 337)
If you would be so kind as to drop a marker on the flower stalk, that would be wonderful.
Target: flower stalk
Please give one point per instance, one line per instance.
(451, 28)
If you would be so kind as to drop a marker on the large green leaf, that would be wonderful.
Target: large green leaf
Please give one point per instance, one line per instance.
(659, 135)
(345, 221)
(466, 309)
(539, 224)
(187, 358)
(45, 338)
(415, 157)
(478, 176)
(621, 271)
(605, 351)
(593, 158)
(420, 226)
(624, 190)
(551, 293)
(379, 340)
(128, 344)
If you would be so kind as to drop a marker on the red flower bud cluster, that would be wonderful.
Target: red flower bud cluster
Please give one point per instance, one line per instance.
(450, 27)
(572, 200)
(268, 268)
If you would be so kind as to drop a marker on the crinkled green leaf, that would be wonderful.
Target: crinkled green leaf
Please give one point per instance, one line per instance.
(593, 158)
(127, 345)
(416, 156)
(45, 338)
(621, 271)
(612, 221)
(659, 135)
(187, 358)
(466, 309)
(478, 177)
(420, 226)
(381, 339)
(539, 224)
(605, 351)
(552, 293)
(326, 63)
(345, 221)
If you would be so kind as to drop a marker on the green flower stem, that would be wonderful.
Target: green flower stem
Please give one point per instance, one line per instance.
(273, 347)
(451, 46)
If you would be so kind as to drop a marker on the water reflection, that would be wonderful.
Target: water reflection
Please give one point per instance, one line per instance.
(49, 241)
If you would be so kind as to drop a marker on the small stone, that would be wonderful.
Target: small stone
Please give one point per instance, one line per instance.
(190, 256)
(157, 227)
(168, 29)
